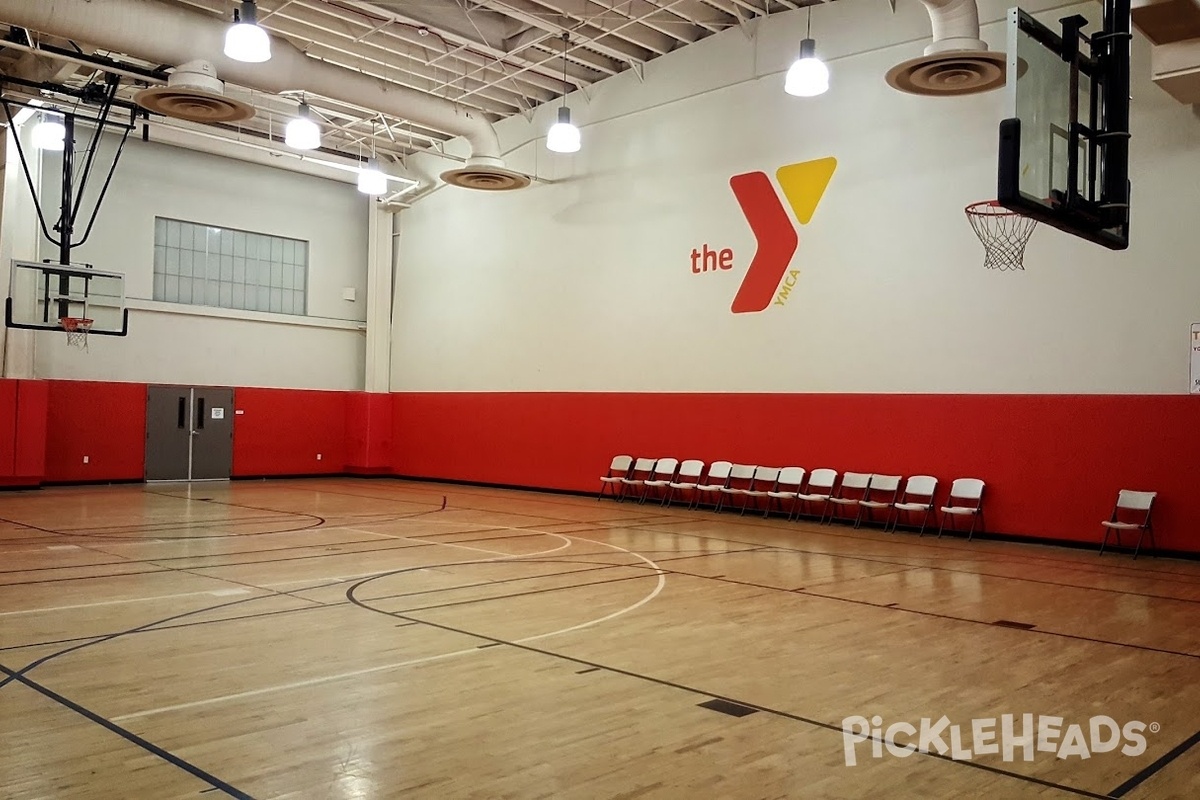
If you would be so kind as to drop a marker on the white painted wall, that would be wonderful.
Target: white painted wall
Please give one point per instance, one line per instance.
(176, 343)
(585, 283)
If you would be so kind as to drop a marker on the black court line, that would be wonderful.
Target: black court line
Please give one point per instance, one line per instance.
(586, 671)
(350, 595)
(296, 592)
(883, 559)
(129, 736)
(1149, 772)
(964, 553)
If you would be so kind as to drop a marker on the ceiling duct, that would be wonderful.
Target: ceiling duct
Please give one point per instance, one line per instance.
(958, 62)
(170, 34)
(194, 93)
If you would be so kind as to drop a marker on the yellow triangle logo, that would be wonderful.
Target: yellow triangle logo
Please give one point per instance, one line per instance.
(804, 185)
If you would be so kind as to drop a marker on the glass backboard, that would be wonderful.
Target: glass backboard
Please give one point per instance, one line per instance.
(40, 295)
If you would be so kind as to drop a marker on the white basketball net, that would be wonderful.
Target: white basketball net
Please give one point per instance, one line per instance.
(77, 332)
(1004, 234)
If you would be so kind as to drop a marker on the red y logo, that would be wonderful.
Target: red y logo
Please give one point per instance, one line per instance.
(803, 185)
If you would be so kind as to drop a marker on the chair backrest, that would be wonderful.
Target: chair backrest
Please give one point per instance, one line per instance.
(791, 478)
(742, 472)
(967, 489)
(664, 468)
(620, 464)
(920, 486)
(643, 465)
(692, 468)
(884, 483)
(856, 480)
(1135, 501)
(718, 472)
(764, 479)
(823, 478)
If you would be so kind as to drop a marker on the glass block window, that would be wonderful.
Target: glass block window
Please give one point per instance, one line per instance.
(206, 266)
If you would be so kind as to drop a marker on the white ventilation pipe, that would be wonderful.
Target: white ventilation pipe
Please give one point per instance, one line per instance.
(955, 26)
(167, 34)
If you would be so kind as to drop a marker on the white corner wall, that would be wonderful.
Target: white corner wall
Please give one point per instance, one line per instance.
(584, 283)
(188, 344)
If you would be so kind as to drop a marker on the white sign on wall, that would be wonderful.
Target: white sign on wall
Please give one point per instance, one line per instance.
(218, 413)
(1195, 358)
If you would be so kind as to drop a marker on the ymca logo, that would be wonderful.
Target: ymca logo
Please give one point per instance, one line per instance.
(764, 283)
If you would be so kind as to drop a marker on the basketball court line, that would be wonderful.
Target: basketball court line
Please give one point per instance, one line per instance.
(1152, 770)
(412, 662)
(127, 735)
(523, 645)
(214, 593)
(883, 559)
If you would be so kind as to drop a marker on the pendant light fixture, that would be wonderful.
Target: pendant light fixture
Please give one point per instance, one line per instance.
(49, 133)
(371, 179)
(302, 133)
(808, 76)
(246, 40)
(563, 137)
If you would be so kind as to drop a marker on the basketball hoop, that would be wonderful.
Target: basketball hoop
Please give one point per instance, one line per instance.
(1004, 234)
(77, 330)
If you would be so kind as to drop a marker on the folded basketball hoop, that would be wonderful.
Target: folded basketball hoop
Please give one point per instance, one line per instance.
(77, 330)
(1004, 234)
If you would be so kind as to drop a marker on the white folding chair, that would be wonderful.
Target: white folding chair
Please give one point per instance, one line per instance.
(741, 476)
(1130, 501)
(819, 490)
(686, 480)
(618, 469)
(764, 481)
(970, 492)
(664, 473)
(787, 487)
(881, 493)
(852, 491)
(643, 468)
(917, 498)
(716, 480)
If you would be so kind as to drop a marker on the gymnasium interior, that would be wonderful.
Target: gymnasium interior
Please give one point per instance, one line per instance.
(598, 399)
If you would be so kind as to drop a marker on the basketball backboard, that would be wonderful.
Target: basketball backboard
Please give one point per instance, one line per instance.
(1064, 148)
(40, 295)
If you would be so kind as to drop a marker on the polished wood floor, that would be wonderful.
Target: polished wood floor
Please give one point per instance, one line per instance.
(385, 639)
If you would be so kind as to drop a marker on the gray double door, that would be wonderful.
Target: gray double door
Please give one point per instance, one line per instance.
(189, 433)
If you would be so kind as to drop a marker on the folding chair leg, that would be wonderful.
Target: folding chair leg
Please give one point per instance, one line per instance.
(971, 532)
(941, 526)
(924, 520)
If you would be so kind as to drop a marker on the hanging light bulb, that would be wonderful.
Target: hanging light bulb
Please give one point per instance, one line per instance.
(49, 133)
(563, 137)
(371, 179)
(302, 133)
(808, 76)
(245, 40)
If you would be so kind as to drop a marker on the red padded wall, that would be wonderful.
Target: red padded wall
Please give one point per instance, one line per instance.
(368, 433)
(29, 452)
(281, 431)
(1053, 463)
(101, 420)
(8, 429)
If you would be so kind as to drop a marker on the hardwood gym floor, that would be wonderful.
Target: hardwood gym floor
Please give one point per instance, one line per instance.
(340, 638)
